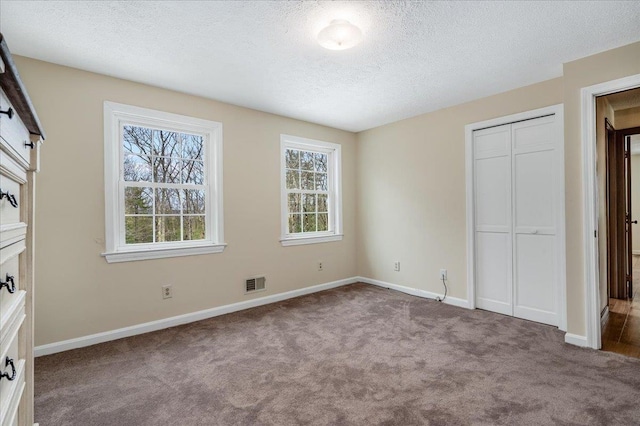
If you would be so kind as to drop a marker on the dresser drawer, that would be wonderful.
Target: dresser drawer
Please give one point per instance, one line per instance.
(10, 203)
(10, 390)
(10, 277)
(11, 418)
(13, 132)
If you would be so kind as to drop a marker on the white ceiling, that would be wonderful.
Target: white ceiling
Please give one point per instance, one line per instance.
(416, 56)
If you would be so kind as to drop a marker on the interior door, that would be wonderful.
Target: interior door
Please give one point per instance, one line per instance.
(619, 220)
(616, 217)
(535, 217)
(493, 254)
(625, 135)
(628, 219)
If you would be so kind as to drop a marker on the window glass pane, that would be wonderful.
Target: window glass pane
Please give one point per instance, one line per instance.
(293, 179)
(321, 162)
(294, 203)
(322, 203)
(292, 158)
(166, 144)
(136, 140)
(167, 201)
(321, 181)
(136, 168)
(306, 160)
(138, 200)
(193, 227)
(138, 229)
(167, 228)
(295, 223)
(307, 180)
(166, 170)
(192, 146)
(323, 222)
(193, 201)
(309, 222)
(309, 203)
(193, 172)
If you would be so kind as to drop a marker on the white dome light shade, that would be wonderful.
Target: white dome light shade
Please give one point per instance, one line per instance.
(340, 35)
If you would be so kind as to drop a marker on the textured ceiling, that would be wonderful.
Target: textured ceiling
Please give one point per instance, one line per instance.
(416, 56)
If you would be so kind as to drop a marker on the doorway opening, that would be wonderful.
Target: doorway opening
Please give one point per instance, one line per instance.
(618, 187)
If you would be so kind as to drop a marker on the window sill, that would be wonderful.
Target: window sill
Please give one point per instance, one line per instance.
(160, 253)
(298, 241)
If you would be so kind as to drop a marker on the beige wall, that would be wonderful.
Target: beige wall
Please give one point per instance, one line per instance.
(606, 66)
(78, 293)
(406, 180)
(603, 110)
(627, 118)
(411, 190)
(411, 193)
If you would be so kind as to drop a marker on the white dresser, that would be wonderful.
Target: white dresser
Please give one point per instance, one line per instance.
(20, 137)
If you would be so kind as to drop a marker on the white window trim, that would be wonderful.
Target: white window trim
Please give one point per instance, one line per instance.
(335, 186)
(116, 251)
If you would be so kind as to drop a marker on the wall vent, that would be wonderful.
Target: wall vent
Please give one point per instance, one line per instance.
(255, 284)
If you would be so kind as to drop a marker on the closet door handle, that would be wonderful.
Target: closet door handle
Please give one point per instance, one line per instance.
(8, 112)
(9, 280)
(12, 377)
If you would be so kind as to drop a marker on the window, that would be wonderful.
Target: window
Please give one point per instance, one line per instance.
(311, 191)
(163, 184)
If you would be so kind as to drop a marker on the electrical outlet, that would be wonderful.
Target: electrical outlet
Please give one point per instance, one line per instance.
(167, 291)
(396, 266)
(320, 266)
(443, 274)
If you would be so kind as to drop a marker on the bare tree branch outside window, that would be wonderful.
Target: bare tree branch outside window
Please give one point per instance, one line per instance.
(172, 206)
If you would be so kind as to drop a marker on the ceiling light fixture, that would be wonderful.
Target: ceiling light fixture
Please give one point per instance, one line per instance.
(340, 35)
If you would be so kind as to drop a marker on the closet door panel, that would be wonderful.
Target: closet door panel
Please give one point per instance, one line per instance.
(534, 212)
(492, 180)
(493, 198)
(493, 272)
(535, 272)
(534, 192)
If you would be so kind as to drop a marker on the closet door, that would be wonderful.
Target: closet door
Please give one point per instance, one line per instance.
(535, 216)
(493, 237)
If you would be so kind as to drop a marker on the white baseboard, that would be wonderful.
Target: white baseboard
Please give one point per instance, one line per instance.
(574, 339)
(416, 292)
(147, 327)
(636, 252)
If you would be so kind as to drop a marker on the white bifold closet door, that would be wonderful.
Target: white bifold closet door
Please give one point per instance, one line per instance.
(516, 218)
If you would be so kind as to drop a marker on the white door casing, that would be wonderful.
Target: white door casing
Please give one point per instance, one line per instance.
(590, 208)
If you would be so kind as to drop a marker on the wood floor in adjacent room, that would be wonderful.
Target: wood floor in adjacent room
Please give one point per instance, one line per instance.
(621, 334)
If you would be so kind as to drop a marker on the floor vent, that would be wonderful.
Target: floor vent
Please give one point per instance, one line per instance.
(255, 284)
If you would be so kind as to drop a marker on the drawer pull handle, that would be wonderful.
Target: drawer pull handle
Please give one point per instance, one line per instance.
(30, 144)
(10, 197)
(9, 279)
(8, 112)
(12, 377)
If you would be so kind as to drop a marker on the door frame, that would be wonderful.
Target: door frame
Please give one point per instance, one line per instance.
(558, 111)
(590, 208)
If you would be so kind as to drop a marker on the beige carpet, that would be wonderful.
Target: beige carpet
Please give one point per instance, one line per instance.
(357, 355)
